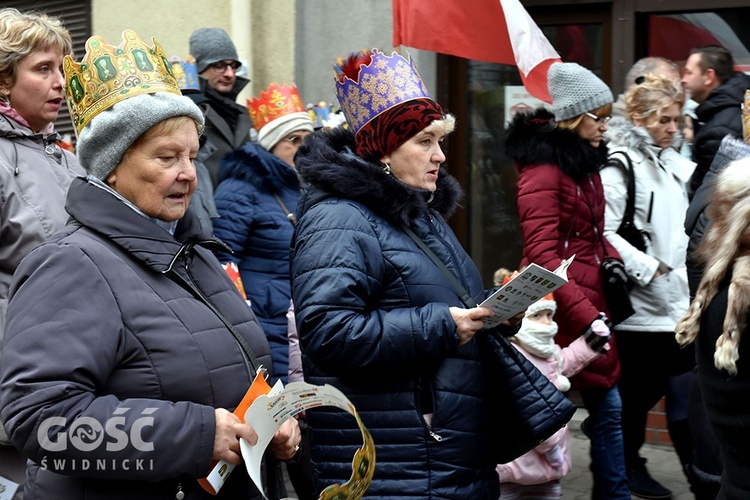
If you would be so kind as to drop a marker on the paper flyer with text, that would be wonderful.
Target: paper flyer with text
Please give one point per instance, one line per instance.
(531, 284)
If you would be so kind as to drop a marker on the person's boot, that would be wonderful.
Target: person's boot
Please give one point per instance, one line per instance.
(642, 485)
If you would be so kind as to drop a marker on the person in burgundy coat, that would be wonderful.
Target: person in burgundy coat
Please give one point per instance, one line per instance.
(561, 209)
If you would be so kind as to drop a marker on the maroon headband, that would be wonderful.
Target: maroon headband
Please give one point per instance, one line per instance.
(393, 127)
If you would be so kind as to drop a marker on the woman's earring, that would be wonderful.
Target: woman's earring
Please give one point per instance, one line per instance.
(387, 168)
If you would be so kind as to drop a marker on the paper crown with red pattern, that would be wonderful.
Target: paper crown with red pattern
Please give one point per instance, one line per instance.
(383, 83)
(185, 72)
(107, 75)
(275, 102)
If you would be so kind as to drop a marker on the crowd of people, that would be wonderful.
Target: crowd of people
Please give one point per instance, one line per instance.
(117, 313)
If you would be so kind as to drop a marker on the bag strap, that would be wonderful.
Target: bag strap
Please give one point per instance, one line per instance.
(467, 300)
(289, 214)
(629, 214)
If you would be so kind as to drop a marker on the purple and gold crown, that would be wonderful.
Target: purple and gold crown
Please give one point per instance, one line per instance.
(385, 82)
(185, 72)
(107, 75)
(277, 101)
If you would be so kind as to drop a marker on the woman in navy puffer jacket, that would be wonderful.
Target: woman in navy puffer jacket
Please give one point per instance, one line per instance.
(376, 317)
(254, 223)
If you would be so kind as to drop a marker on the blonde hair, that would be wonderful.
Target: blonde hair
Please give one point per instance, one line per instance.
(653, 95)
(724, 248)
(500, 274)
(573, 123)
(22, 34)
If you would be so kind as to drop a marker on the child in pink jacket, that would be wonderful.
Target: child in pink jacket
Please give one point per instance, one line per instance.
(537, 473)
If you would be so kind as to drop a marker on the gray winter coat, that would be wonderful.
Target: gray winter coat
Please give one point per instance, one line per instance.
(34, 177)
(129, 362)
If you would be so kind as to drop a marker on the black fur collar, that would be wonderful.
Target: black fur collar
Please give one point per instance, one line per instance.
(533, 139)
(327, 163)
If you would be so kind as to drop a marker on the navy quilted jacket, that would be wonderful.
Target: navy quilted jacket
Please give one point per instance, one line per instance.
(373, 318)
(256, 228)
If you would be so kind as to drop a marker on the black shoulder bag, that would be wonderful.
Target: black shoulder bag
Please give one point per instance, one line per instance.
(526, 407)
(628, 230)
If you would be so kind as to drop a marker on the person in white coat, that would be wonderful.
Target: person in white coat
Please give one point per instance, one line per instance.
(655, 263)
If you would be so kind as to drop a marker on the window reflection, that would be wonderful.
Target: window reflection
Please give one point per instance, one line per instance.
(495, 95)
(673, 35)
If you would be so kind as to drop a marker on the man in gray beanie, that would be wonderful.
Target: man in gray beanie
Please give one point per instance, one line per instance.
(227, 122)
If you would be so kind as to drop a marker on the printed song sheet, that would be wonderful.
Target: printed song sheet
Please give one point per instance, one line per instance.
(530, 285)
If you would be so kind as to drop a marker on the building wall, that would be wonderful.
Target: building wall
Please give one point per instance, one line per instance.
(279, 41)
(327, 29)
(273, 42)
(262, 31)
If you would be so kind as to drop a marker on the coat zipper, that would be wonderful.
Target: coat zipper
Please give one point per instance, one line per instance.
(205, 300)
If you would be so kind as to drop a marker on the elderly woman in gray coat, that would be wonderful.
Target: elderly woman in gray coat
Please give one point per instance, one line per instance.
(126, 344)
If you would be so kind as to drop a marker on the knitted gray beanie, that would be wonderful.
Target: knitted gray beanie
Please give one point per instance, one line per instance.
(575, 90)
(209, 45)
(104, 140)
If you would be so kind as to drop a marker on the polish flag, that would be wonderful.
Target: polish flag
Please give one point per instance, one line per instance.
(499, 31)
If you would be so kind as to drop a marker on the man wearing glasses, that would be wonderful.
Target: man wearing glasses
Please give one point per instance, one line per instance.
(227, 122)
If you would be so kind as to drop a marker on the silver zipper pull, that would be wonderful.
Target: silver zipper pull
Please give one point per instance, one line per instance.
(436, 437)
(180, 494)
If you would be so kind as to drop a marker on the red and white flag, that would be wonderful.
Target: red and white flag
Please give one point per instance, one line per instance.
(499, 31)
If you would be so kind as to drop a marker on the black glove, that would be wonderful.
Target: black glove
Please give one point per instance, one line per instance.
(597, 335)
(613, 271)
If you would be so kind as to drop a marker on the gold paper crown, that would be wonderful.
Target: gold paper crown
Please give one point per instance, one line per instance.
(107, 75)
(277, 101)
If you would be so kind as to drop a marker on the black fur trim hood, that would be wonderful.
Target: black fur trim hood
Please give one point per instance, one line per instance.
(329, 168)
(533, 139)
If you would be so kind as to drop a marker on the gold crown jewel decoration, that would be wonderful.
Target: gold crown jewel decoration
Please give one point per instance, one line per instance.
(107, 75)
(382, 84)
(277, 101)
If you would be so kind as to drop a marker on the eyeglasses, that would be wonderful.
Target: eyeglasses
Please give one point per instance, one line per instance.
(598, 119)
(221, 66)
(296, 140)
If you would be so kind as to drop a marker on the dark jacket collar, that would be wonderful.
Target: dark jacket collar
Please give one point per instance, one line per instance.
(101, 212)
(329, 167)
(533, 139)
(727, 95)
(231, 96)
(260, 168)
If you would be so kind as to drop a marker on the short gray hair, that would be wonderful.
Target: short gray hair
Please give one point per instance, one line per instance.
(647, 65)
